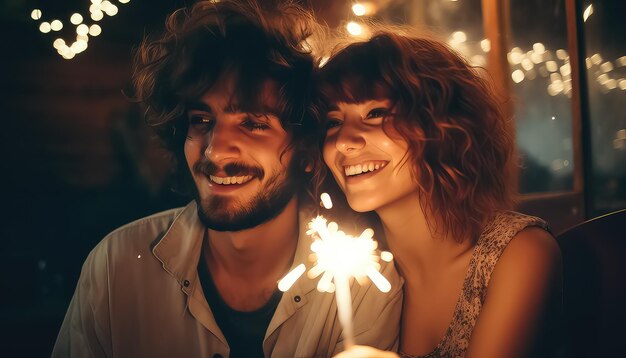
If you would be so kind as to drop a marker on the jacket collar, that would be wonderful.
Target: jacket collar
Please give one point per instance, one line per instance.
(179, 252)
(296, 297)
(179, 249)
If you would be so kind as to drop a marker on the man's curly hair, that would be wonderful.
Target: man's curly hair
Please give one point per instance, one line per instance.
(249, 42)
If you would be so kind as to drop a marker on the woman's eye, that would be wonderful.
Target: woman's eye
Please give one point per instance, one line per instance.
(332, 123)
(378, 113)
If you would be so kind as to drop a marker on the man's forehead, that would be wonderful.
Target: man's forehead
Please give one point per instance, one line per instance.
(232, 97)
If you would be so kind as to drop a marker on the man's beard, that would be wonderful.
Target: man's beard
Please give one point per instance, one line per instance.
(221, 213)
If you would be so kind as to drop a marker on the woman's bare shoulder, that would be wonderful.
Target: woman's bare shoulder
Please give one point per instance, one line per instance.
(532, 249)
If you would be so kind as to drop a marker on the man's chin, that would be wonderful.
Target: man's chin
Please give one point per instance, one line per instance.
(222, 215)
(229, 216)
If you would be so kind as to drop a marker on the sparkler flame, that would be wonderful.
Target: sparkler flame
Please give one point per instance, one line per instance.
(340, 256)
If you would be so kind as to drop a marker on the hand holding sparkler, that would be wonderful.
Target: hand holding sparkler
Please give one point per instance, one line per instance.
(365, 352)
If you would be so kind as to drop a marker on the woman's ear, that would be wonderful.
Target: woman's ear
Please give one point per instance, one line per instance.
(309, 167)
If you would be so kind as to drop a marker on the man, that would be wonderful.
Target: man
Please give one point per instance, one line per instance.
(229, 88)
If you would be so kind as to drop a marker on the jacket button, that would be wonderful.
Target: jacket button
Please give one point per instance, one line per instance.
(186, 283)
(217, 355)
(297, 299)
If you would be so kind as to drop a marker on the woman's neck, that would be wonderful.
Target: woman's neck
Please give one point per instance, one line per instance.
(410, 237)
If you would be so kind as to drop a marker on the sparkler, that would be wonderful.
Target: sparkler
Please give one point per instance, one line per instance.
(339, 257)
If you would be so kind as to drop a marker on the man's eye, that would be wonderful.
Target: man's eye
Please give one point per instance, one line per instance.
(253, 125)
(199, 125)
(200, 122)
(378, 113)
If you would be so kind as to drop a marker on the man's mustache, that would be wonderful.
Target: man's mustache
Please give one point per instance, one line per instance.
(231, 169)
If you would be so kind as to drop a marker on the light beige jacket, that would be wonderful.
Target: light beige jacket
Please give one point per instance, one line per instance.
(139, 296)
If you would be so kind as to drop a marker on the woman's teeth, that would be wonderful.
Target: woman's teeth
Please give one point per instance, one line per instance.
(230, 180)
(363, 168)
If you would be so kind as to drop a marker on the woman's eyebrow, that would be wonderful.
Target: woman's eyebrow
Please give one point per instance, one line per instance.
(333, 107)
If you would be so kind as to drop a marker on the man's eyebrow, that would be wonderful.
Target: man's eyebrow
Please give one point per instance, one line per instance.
(198, 106)
(232, 108)
(260, 110)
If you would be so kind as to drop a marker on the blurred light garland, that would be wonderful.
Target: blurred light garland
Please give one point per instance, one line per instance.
(97, 10)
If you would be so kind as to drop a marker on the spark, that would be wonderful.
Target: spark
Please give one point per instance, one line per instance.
(588, 11)
(339, 257)
(326, 202)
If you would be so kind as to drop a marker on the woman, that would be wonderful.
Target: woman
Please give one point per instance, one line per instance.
(415, 134)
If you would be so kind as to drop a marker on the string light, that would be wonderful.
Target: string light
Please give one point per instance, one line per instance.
(596, 59)
(478, 60)
(516, 56)
(78, 46)
(97, 9)
(517, 76)
(459, 36)
(58, 43)
(611, 84)
(76, 19)
(527, 64)
(44, 27)
(35, 14)
(359, 9)
(82, 29)
(560, 75)
(485, 45)
(97, 15)
(606, 67)
(56, 25)
(111, 10)
(95, 30)
(537, 57)
(354, 28)
(552, 66)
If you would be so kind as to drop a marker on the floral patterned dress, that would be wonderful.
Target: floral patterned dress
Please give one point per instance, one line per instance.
(489, 247)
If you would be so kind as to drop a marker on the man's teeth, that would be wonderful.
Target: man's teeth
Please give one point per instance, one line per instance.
(362, 168)
(230, 180)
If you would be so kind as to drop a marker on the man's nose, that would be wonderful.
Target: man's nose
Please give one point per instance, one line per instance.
(223, 143)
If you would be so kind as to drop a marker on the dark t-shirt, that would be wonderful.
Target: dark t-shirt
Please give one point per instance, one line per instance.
(244, 331)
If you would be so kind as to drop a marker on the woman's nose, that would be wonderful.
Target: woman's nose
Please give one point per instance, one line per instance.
(349, 139)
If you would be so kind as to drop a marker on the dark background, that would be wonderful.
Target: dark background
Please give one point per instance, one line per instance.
(77, 160)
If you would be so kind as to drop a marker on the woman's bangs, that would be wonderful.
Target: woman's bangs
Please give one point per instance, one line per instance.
(355, 75)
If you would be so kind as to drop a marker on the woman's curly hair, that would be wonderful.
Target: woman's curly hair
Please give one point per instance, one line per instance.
(250, 42)
(461, 143)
